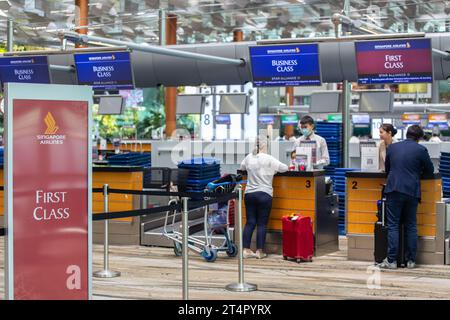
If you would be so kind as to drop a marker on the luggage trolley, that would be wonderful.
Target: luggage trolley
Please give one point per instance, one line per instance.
(216, 222)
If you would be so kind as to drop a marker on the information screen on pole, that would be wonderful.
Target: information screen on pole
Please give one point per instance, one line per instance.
(223, 119)
(265, 119)
(24, 69)
(289, 119)
(105, 71)
(285, 65)
(394, 61)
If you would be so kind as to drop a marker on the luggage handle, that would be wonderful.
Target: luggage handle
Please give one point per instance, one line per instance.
(383, 204)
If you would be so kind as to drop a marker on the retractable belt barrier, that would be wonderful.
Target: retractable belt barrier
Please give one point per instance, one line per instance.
(214, 198)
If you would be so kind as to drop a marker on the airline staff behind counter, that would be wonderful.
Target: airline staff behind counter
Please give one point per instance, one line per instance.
(307, 126)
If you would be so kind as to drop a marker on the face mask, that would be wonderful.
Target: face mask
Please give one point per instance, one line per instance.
(305, 132)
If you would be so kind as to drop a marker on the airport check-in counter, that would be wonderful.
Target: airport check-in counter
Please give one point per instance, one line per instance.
(302, 192)
(363, 190)
(230, 153)
(434, 150)
(125, 231)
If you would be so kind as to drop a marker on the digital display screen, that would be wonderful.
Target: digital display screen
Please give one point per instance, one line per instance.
(111, 105)
(223, 119)
(105, 71)
(289, 119)
(441, 126)
(360, 118)
(24, 69)
(394, 61)
(285, 65)
(233, 104)
(266, 119)
(190, 104)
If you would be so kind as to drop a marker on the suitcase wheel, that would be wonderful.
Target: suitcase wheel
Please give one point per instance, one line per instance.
(284, 258)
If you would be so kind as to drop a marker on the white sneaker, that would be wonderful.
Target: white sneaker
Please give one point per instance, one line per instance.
(260, 254)
(387, 265)
(248, 253)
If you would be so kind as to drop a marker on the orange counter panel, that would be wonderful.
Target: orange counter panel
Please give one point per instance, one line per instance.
(116, 180)
(290, 195)
(146, 147)
(363, 194)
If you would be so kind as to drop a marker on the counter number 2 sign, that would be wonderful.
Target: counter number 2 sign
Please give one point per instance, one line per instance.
(354, 185)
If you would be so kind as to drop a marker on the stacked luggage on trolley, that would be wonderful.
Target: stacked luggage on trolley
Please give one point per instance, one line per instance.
(203, 175)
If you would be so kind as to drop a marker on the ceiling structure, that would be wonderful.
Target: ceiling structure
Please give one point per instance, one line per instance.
(205, 21)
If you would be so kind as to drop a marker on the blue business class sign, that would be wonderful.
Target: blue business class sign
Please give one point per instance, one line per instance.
(285, 65)
(105, 71)
(24, 69)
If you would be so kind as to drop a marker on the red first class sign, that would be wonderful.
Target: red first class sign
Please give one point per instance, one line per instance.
(50, 199)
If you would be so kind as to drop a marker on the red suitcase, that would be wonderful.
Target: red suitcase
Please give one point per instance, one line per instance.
(298, 238)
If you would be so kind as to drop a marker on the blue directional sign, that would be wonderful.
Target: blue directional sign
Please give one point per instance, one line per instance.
(24, 69)
(105, 71)
(285, 65)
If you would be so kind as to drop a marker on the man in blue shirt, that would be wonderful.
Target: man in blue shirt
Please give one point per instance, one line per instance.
(406, 162)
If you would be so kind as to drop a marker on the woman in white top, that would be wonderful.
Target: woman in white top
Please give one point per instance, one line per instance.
(260, 168)
(387, 133)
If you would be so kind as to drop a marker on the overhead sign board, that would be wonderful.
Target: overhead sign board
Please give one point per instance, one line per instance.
(409, 118)
(48, 200)
(105, 70)
(437, 118)
(394, 61)
(33, 69)
(285, 65)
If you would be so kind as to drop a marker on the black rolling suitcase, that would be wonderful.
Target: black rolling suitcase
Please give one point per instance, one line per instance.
(381, 235)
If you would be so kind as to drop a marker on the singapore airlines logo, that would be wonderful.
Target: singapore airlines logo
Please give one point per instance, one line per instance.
(52, 128)
(297, 50)
(408, 45)
(50, 136)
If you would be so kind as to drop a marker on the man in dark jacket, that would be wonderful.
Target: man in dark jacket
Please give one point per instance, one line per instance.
(406, 162)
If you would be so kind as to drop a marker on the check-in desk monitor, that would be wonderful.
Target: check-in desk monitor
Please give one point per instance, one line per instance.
(234, 104)
(112, 105)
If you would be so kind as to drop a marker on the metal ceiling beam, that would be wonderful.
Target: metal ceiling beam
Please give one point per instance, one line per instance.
(346, 38)
(53, 52)
(71, 36)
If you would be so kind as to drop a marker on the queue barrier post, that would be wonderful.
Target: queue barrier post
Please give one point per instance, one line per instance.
(240, 286)
(185, 248)
(106, 273)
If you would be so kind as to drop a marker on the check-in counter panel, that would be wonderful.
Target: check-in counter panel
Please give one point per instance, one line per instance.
(363, 190)
(122, 230)
(293, 192)
(304, 193)
(128, 178)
